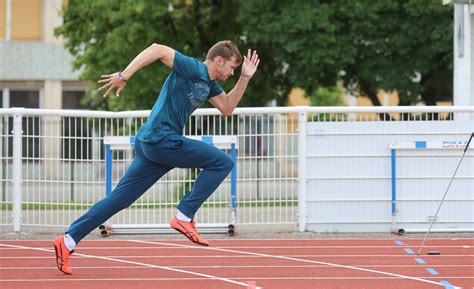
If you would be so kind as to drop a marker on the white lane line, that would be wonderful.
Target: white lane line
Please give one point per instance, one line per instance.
(281, 239)
(253, 247)
(249, 256)
(231, 267)
(298, 260)
(236, 278)
(141, 264)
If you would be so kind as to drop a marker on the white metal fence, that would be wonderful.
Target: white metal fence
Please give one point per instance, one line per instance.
(52, 163)
(353, 169)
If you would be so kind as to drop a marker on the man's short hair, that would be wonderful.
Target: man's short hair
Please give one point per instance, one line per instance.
(226, 49)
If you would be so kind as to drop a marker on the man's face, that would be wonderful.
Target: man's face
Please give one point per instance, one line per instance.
(226, 68)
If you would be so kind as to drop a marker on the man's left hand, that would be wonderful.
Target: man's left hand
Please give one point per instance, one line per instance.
(251, 61)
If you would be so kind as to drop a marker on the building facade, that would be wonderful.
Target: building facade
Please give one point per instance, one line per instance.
(35, 68)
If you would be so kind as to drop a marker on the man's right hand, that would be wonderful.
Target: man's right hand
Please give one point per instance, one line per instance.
(112, 82)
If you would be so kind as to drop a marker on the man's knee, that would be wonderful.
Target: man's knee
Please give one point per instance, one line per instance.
(228, 164)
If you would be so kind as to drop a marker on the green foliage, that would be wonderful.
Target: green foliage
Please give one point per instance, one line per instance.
(105, 35)
(367, 44)
(309, 44)
(326, 96)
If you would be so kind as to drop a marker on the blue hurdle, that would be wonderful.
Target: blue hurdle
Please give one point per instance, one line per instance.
(412, 145)
(126, 142)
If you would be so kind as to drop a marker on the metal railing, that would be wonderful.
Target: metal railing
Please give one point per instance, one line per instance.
(52, 161)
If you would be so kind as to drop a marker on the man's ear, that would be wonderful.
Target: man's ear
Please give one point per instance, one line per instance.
(219, 60)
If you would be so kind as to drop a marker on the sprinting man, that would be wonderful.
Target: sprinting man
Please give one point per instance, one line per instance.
(160, 145)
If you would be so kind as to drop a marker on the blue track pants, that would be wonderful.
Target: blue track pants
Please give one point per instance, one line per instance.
(152, 161)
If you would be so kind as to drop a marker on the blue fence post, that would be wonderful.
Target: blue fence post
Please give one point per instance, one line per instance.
(108, 170)
(394, 182)
(233, 178)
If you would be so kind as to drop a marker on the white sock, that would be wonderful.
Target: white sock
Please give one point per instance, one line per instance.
(69, 242)
(182, 217)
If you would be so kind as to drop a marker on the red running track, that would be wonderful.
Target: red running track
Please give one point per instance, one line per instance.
(295, 264)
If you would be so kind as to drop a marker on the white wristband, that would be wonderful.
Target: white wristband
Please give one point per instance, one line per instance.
(120, 75)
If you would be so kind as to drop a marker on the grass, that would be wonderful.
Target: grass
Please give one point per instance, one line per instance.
(72, 206)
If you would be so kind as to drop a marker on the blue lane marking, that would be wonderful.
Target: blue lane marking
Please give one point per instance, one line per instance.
(420, 261)
(420, 144)
(447, 285)
(432, 271)
(399, 243)
(409, 251)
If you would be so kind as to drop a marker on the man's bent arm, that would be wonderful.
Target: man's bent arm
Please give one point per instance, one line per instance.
(226, 103)
(118, 80)
(151, 54)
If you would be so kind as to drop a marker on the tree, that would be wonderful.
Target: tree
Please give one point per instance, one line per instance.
(403, 45)
(370, 45)
(105, 35)
(326, 96)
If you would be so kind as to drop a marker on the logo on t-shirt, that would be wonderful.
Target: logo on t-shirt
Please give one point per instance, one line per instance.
(199, 94)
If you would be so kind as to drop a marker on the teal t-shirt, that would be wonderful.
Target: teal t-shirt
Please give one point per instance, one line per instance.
(185, 89)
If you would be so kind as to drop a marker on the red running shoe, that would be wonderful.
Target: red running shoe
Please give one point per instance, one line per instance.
(189, 230)
(62, 255)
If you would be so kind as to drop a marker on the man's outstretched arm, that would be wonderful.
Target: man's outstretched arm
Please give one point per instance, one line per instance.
(227, 102)
(154, 52)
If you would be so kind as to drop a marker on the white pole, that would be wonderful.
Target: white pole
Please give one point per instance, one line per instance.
(462, 72)
(8, 21)
(6, 98)
(16, 175)
(302, 171)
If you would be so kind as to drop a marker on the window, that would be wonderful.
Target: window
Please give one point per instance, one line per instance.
(25, 19)
(24, 98)
(30, 125)
(77, 142)
(72, 99)
(3, 19)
